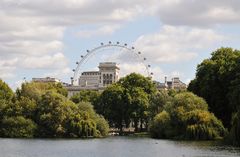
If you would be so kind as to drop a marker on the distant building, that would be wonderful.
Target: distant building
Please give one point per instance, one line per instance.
(46, 80)
(96, 80)
(175, 83)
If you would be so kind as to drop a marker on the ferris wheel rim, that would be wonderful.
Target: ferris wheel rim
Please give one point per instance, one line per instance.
(76, 71)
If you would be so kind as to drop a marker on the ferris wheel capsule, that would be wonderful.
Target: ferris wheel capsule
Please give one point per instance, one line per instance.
(77, 62)
(81, 56)
(102, 44)
(118, 42)
(87, 50)
(151, 73)
(139, 53)
(133, 48)
(149, 65)
(125, 44)
(73, 70)
(110, 42)
(144, 58)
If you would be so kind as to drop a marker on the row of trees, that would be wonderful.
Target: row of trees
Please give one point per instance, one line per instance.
(168, 114)
(218, 82)
(43, 110)
(123, 103)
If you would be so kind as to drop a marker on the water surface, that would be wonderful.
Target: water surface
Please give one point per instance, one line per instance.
(113, 147)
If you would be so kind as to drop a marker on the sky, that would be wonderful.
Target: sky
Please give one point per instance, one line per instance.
(43, 38)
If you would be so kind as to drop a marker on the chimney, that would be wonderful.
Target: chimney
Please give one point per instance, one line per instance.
(165, 79)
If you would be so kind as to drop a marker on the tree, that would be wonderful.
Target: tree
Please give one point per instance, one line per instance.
(53, 111)
(115, 105)
(6, 92)
(17, 127)
(136, 80)
(86, 96)
(23, 107)
(213, 78)
(139, 106)
(187, 117)
(157, 102)
(34, 90)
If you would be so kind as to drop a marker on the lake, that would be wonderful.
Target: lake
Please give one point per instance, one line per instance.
(113, 147)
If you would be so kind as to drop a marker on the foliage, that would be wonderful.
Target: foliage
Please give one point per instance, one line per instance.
(22, 107)
(115, 106)
(17, 127)
(186, 117)
(136, 80)
(234, 135)
(157, 101)
(216, 78)
(102, 126)
(43, 110)
(139, 107)
(127, 101)
(5, 91)
(34, 90)
(86, 96)
(160, 127)
(53, 111)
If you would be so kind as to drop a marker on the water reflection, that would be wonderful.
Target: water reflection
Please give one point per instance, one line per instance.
(114, 147)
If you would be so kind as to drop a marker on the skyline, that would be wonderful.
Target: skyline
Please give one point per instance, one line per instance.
(42, 38)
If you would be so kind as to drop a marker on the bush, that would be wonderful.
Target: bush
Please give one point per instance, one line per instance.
(187, 117)
(17, 127)
(203, 125)
(160, 127)
(102, 126)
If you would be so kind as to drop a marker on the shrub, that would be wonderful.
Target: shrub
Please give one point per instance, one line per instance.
(17, 127)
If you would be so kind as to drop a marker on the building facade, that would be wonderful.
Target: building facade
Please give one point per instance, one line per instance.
(96, 80)
(175, 83)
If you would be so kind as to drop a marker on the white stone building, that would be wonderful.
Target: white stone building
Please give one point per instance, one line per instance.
(96, 80)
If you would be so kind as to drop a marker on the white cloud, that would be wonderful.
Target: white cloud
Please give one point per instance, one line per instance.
(103, 30)
(176, 44)
(31, 32)
(198, 13)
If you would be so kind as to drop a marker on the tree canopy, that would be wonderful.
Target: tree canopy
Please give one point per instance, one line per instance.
(43, 110)
(186, 117)
(218, 82)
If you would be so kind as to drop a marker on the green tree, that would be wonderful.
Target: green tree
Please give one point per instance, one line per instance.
(17, 127)
(161, 125)
(22, 107)
(53, 111)
(137, 80)
(139, 106)
(6, 92)
(157, 102)
(187, 117)
(84, 122)
(115, 105)
(86, 96)
(213, 78)
(34, 90)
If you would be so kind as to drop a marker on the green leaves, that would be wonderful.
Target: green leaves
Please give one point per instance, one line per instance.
(187, 117)
(43, 110)
(215, 82)
(5, 91)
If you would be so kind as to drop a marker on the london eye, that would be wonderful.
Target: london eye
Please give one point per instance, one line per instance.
(115, 47)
